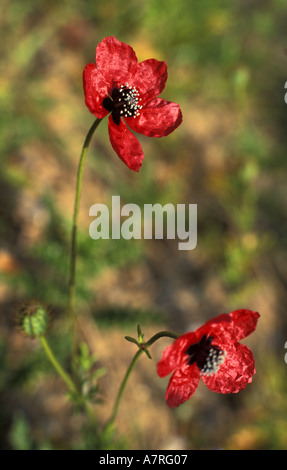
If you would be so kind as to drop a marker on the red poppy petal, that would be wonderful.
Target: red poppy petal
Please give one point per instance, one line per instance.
(232, 327)
(157, 119)
(220, 328)
(182, 386)
(95, 88)
(116, 60)
(220, 322)
(235, 373)
(168, 362)
(173, 356)
(245, 322)
(150, 79)
(125, 144)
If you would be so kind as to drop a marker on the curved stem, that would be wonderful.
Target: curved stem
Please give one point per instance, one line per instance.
(49, 353)
(73, 254)
(153, 339)
(161, 334)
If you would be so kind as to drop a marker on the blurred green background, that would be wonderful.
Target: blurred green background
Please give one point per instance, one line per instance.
(227, 66)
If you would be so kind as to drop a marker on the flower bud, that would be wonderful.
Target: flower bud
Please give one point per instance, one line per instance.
(33, 319)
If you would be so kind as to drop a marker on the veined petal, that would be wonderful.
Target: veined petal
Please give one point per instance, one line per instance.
(168, 361)
(157, 119)
(174, 355)
(182, 386)
(235, 373)
(116, 60)
(244, 321)
(95, 88)
(232, 327)
(150, 79)
(220, 328)
(125, 144)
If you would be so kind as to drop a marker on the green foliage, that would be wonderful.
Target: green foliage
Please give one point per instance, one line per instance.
(89, 374)
(20, 438)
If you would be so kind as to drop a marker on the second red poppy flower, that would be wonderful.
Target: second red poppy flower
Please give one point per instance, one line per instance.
(212, 353)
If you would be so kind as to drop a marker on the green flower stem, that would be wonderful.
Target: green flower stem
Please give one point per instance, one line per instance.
(57, 366)
(73, 254)
(146, 345)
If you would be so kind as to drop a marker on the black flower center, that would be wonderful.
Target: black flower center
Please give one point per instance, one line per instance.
(208, 356)
(123, 102)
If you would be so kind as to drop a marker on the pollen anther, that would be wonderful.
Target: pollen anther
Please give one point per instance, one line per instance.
(130, 96)
(123, 102)
(207, 356)
(213, 362)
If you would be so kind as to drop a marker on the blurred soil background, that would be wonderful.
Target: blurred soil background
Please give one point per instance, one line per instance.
(227, 66)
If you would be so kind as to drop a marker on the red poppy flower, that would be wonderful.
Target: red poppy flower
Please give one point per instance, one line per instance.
(127, 89)
(213, 353)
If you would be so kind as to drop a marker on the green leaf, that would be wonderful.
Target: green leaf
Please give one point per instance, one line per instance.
(132, 340)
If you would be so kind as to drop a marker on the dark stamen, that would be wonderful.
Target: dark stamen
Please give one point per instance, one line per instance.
(207, 356)
(123, 102)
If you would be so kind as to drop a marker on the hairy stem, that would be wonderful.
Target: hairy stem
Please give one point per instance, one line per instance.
(49, 353)
(73, 253)
(146, 345)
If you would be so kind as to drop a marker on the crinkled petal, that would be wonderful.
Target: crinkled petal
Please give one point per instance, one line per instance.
(168, 361)
(232, 327)
(116, 61)
(174, 355)
(235, 373)
(96, 89)
(220, 328)
(244, 322)
(157, 119)
(125, 144)
(182, 386)
(150, 79)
